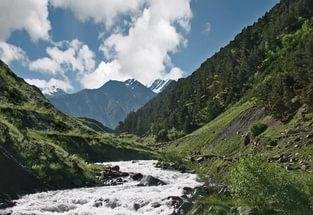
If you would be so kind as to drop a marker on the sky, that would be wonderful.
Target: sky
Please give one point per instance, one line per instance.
(77, 44)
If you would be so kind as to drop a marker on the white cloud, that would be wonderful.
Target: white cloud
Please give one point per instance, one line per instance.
(100, 11)
(30, 15)
(104, 73)
(207, 28)
(66, 56)
(51, 85)
(45, 65)
(9, 53)
(175, 74)
(143, 53)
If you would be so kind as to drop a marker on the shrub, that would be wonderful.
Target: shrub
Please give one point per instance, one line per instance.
(257, 129)
(173, 134)
(265, 186)
(162, 136)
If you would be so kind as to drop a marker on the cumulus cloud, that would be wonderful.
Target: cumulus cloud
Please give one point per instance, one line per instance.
(9, 53)
(73, 56)
(143, 36)
(144, 52)
(45, 65)
(50, 86)
(104, 73)
(30, 15)
(105, 11)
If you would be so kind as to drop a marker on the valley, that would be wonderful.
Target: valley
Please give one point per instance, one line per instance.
(234, 137)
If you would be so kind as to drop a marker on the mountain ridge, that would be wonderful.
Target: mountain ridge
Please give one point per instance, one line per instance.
(108, 104)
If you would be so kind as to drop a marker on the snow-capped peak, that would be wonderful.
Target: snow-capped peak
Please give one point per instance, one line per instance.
(159, 85)
(131, 82)
(52, 91)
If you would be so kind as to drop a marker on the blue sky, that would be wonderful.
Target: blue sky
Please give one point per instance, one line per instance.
(82, 44)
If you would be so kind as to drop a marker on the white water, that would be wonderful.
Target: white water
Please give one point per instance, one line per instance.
(81, 201)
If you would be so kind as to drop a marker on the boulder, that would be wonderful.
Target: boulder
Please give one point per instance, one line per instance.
(7, 204)
(150, 181)
(115, 168)
(136, 206)
(184, 206)
(187, 190)
(136, 176)
(98, 203)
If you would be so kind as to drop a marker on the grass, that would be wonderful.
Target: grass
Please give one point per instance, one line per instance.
(221, 153)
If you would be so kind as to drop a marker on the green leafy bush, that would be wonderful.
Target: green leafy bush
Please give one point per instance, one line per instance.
(264, 186)
(258, 128)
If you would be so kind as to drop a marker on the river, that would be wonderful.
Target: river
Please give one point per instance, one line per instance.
(114, 200)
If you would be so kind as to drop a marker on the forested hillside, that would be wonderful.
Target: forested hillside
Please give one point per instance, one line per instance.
(270, 60)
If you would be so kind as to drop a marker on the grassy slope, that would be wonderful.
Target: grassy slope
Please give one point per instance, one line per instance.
(55, 147)
(221, 144)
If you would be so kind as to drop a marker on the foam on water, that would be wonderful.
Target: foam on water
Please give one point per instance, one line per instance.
(120, 199)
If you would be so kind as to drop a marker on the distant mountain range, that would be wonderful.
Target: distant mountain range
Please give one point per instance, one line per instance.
(109, 104)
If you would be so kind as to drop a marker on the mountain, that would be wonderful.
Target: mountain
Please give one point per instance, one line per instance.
(249, 63)
(109, 104)
(52, 91)
(41, 147)
(159, 85)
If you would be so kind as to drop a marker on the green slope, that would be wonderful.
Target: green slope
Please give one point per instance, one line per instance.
(43, 143)
(281, 156)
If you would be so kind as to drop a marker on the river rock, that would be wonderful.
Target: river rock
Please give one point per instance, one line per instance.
(150, 181)
(136, 176)
(176, 201)
(184, 206)
(7, 204)
(98, 203)
(112, 203)
(155, 205)
(187, 190)
(138, 205)
(115, 168)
